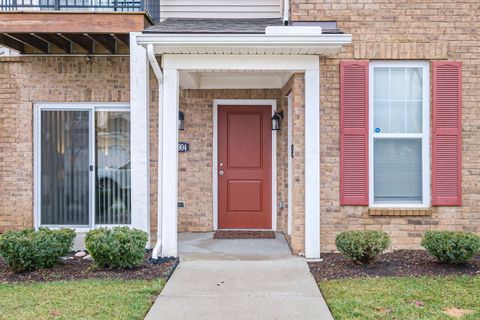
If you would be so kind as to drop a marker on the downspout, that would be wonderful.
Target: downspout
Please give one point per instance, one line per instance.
(158, 73)
(286, 12)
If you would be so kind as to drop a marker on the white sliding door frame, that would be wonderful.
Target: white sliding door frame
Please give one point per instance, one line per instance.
(91, 108)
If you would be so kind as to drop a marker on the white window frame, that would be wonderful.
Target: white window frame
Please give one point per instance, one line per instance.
(59, 106)
(425, 136)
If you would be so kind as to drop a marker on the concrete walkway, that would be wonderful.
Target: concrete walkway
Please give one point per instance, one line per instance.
(239, 279)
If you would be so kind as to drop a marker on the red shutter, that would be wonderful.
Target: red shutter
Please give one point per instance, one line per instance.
(354, 133)
(447, 134)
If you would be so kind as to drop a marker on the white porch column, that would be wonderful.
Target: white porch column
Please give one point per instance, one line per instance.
(312, 163)
(139, 135)
(169, 188)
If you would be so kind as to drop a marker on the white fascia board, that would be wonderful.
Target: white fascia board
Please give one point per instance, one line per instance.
(293, 30)
(272, 41)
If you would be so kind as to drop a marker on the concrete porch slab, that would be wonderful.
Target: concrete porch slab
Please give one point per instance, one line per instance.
(202, 246)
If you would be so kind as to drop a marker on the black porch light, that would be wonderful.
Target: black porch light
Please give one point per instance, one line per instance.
(276, 118)
(181, 120)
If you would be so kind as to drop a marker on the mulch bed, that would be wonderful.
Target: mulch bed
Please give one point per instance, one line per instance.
(240, 234)
(78, 269)
(400, 263)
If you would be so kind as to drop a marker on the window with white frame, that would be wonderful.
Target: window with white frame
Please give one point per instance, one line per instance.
(399, 134)
(83, 165)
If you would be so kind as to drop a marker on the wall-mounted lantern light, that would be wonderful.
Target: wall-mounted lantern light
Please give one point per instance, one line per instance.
(181, 120)
(276, 118)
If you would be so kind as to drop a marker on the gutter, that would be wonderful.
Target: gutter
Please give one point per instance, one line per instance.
(286, 11)
(158, 73)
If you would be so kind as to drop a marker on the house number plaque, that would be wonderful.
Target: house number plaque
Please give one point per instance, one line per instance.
(183, 147)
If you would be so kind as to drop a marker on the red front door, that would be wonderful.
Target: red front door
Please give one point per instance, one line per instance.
(244, 167)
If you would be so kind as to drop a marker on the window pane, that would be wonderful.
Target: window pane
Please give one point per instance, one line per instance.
(397, 84)
(64, 168)
(397, 171)
(381, 116)
(414, 81)
(397, 117)
(414, 117)
(381, 76)
(112, 133)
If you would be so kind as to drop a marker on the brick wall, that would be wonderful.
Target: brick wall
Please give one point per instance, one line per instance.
(296, 85)
(381, 29)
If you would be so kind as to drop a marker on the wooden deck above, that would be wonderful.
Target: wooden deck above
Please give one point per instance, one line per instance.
(60, 32)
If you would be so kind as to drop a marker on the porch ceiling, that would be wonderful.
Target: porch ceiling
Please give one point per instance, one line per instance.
(239, 79)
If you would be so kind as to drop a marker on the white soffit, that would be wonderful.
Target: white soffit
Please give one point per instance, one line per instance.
(247, 79)
(247, 44)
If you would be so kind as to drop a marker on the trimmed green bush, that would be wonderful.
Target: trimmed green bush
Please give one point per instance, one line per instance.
(119, 247)
(362, 246)
(451, 247)
(29, 249)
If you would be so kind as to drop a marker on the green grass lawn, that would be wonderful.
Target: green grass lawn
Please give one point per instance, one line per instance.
(83, 299)
(403, 298)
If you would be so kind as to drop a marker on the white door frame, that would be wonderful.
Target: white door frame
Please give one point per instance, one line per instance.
(243, 102)
(91, 107)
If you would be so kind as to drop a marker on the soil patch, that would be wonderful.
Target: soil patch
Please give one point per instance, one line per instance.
(400, 263)
(78, 269)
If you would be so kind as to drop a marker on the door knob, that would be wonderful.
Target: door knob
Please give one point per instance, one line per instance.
(220, 173)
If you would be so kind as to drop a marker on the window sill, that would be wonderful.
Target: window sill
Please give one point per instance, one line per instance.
(400, 212)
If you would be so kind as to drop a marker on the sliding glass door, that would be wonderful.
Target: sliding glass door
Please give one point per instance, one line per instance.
(83, 163)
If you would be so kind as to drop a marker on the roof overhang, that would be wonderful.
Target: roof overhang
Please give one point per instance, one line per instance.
(288, 43)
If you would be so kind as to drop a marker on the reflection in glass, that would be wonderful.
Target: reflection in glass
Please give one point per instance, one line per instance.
(112, 142)
(64, 168)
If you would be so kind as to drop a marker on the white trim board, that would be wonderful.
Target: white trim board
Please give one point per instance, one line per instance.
(290, 160)
(232, 102)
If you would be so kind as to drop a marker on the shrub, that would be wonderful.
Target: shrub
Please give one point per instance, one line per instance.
(362, 246)
(120, 247)
(451, 247)
(29, 249)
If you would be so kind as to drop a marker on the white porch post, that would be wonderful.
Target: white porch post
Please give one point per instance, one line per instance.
(139, 135)
(312, 163)
(169, 188)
